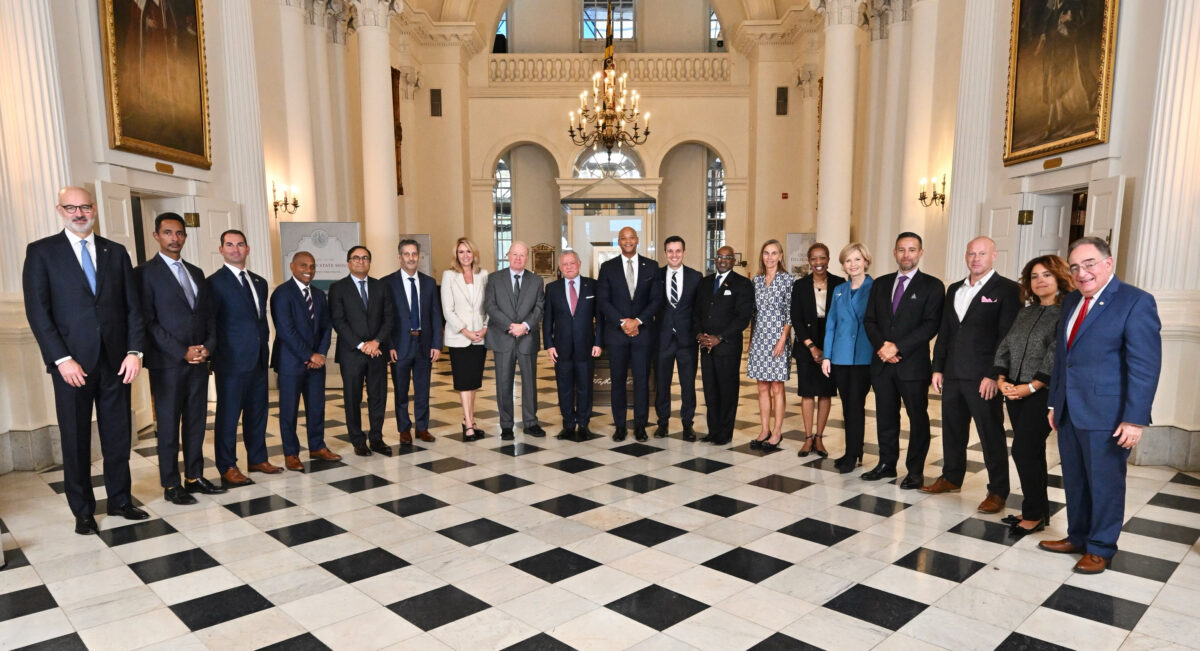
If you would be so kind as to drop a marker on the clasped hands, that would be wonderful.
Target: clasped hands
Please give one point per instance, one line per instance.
(630, 327)
(1013, 391)
(197, 354)
(707, 341)
(888, 353)
(316, 361)
(475, 336)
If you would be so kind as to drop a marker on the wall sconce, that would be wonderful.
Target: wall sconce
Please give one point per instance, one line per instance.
(289, 205)
(929, 193)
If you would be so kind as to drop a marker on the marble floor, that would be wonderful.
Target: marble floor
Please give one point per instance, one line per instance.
(549, 544)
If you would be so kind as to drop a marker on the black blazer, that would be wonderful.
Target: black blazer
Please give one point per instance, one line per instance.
(966, 350)
(676, 322)
(572, 335)
(296, 336)
(171, 324)
(915, 323)
(725, 313)
(242, 331)
(615, 303)
(353, 322)
(67, 319)
(805, 323)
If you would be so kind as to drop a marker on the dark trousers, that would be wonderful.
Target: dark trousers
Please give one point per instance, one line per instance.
(241, 396)
(1093, 468)
(73, 405)
(961, 403)
(720, 375)
(574, 380)
(621, 356)
(415, 368)
(853, 383)
(180, 396)
(354, 370)
(1030, 430)
(311, 386)
(669, 357)
(889, 391)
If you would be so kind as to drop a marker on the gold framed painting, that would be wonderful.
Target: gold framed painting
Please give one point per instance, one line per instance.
(156, 83)
(1060, 74)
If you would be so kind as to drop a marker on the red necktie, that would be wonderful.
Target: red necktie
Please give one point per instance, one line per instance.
(574, 296)
(1078, 320)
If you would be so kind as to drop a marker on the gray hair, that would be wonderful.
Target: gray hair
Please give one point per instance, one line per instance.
(1099, 242)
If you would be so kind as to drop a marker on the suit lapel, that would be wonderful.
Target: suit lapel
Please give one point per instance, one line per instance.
(102, 256)
(515, 298)
(1096, 310)
(170, 274)
(67, 253)
(991, 283)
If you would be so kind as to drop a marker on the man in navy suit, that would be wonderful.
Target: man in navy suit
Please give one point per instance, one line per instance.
(573, 339)
(302, 332)
(82, 304)
(676, 340)
(1106, 365)
(181, 335)
(416, 340)
(240, 362)
(630, 297)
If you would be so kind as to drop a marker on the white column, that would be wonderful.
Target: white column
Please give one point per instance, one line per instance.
(922, 70)
(317, 34)
(378, 140)
(895, 108)
(837, 123)
(247, 172)
(337, 26)
(806, 158)
(972, 131)
(301, 173)
(1166, 230)
(33, 140)
(867, 190)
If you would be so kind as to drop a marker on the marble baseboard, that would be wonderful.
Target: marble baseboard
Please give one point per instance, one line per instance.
(36, 449)
(1168, 446)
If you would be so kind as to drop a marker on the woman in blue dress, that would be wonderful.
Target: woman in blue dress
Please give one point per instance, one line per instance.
(848, 352)
(770, 342)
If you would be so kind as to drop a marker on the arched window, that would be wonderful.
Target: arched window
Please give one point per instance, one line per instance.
(594, 22)
(714, 213)
(595, 164)
(502, 212)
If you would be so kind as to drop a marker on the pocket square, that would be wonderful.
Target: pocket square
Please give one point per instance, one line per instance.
(728, 293)
(984, 299)
(913, 297)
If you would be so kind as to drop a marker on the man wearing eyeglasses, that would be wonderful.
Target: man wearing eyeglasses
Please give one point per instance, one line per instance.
(1106, 366)
(362, 316)
(82, 304)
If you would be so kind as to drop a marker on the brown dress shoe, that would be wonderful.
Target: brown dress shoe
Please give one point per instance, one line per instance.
(265, 467)
(293, 463)
(406, 437)
(1091, 564)
(424, 435)
(993, 503)
(234, 477)
(941, 485)
(1063, 546)
(324, 454)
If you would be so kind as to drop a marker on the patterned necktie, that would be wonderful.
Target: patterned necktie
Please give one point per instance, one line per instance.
(89, 269)
(629, 277)
(414, 306)
(574, 297)
(1078, 320)
(186, 284)
(249, 293)
(312, 315)
(674, 289)
(362, 291)
(900, 283)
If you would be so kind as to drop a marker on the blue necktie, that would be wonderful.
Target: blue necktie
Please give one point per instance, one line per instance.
(89, 269)
(362, 291)
(717, 286)
(414, 306)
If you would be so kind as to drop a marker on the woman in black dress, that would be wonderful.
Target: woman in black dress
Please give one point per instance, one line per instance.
(810, 303)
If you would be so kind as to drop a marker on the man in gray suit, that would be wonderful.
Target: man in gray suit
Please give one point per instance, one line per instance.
(514, 303)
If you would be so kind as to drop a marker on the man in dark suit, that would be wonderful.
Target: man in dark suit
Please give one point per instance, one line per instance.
(240, 362)
(363, 317)
(573, 339)
(415, 341)
(903, 315)
(1107, 361)
(302, 328)
(181, 335)
(514, 300)
(724, 307)
(977, 313)
(676, 340)
(82, 304)
(630, 297)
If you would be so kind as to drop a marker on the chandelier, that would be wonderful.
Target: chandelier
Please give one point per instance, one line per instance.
(613, 107)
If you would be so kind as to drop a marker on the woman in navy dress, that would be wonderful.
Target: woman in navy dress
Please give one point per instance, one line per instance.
(811, 298)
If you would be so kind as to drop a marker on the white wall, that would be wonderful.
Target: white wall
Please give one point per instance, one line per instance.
(682, 201)
(537, 213)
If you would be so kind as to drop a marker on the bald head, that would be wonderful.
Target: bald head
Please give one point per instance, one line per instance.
(981, 257)
(628, 241)
(518, 255)
(77, 210)
(303, 267)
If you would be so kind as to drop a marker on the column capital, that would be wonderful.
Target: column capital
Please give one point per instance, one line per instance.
(315, 12)
(839, 12)
(421, 29)
(374, 13)
(807, 78)
(337, 21)
(878, 19)
(410, 81)
(893, 11)
(794, 24)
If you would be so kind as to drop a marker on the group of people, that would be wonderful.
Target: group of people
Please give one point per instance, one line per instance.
(1066, 347)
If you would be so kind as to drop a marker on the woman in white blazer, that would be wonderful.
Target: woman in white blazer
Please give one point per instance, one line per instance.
(466, 324)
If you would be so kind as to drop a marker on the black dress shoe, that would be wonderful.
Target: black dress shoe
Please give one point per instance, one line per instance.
(661, 432)
(708, 438)
(86, 526)
(721, 440)
(203, 486)
(639, 434)
(566, 433)
(506, 434)
(1017, 531)
(620, 434)
(582, 433)
(882, 471)
(535, 430)
(844, 465)
(129, 512)
(362, 450)
(689, 434)
(1011, 518)
(381, 448)
(176, 495)
(912, 482)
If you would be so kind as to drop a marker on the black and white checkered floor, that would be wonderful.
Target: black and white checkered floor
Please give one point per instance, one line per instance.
(550, 544)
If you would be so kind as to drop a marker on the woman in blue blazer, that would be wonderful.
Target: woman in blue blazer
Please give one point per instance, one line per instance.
(848, 352)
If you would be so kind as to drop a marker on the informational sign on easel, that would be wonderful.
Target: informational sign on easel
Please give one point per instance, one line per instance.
(328, 243)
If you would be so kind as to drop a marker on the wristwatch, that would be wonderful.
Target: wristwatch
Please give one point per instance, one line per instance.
(1032, 389)
(136, 352)
(812, 344)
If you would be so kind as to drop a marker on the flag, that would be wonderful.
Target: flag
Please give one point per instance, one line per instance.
(608, 41)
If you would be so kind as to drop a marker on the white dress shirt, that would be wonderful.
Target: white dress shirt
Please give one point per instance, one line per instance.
(967, 293)
(1091, 305)
(899, 273)
(171, 264)
(237, 274)
(75, 240)
(672, 273)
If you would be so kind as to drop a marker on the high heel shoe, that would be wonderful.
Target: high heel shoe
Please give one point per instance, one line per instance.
(757, 443)
(767, 446)
(824, 454)
(1018, 531)
(807, 447)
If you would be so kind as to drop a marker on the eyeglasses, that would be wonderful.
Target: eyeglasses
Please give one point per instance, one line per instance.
(360, 258)
(1086, 265)
(727, 257)
(85, 208)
